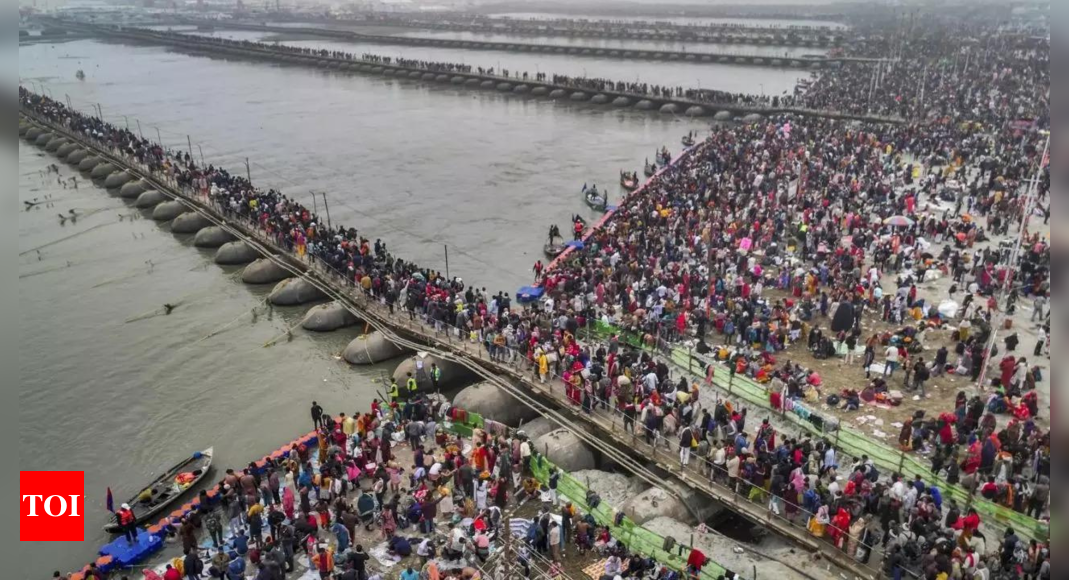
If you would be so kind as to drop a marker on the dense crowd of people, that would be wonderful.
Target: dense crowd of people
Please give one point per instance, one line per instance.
(987, 78)
(624, 28)
(764, 233)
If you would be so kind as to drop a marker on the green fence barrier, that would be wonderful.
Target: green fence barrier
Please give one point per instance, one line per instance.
(846, 440)
(636, 538)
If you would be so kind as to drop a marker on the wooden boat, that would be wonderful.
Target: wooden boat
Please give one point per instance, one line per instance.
(629, 181)
(167, 488)
(596, 200)
(553, 249)
(664, 156)
(688, 140)
(650, 169)
(79, 75)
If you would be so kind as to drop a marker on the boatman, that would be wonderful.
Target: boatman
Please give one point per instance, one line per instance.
(126, 520)
(317, 415)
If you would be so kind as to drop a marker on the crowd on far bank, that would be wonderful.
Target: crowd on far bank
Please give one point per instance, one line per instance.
(595, 84)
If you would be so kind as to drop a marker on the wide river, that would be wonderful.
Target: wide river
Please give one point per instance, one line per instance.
(111, 386)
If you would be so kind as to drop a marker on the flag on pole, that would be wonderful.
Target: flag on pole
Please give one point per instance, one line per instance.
(110, 502)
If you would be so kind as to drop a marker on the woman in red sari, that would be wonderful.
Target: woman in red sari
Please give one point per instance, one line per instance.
(972, 458)
(837, 531)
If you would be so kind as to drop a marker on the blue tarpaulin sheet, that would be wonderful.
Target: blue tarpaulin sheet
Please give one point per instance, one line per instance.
(529, 293)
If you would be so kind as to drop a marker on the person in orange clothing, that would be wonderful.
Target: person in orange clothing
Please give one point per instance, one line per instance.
(968, 526)
(478, 457)
(323, 561)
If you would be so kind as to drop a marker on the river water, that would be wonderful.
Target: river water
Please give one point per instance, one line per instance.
(111, 386)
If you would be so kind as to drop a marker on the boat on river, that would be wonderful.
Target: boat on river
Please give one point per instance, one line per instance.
(688, 139)
(555, 245)
(80, 75)
(629, 180)
(596, 199)
(650, 168)
(165, 489)
(663, 156)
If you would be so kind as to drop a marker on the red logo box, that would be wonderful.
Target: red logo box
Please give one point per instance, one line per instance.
(52, 506)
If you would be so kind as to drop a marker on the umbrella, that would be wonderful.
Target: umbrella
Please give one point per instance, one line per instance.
(898, 220)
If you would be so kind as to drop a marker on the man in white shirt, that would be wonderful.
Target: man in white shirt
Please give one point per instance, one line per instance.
(891, 361)
(525, 455)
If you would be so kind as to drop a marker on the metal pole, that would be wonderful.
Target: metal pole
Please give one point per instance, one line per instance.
(127, 121)
(142, 135)
(924, 81)
(248, 172)
(189, 143)
(315, 204)
(1014, 256)
(69, 106)
(447, 276)
(159, 138)
(201, 151)
(327, 208)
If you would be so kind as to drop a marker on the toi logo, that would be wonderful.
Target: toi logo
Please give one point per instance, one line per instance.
(52, 506)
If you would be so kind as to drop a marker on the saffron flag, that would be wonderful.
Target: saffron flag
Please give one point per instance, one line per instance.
(110, 502)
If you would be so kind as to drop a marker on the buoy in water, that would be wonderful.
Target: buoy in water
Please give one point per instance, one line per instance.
(293, 292)
(370, 349)
(235, 253)
(212, 237)
(149, 198)
(168, 210)
(118, 179)
(131, 190)
(327, 317)
(264, 271)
